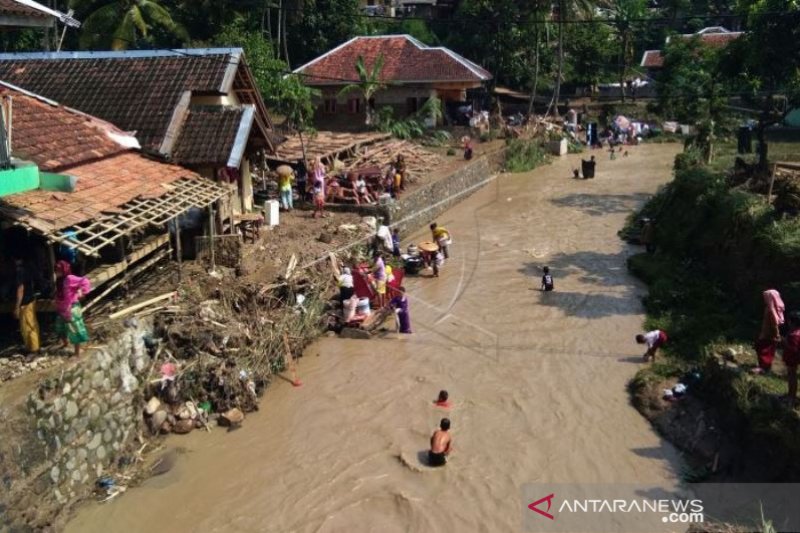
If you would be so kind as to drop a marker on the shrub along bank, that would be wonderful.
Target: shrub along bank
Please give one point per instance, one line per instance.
(718, 248)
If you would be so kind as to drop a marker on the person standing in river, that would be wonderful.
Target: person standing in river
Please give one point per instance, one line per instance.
(440, 444)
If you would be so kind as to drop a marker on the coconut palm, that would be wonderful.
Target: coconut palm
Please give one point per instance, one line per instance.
(369, 83)
(124, 22)
(567, 8)
(623, 16)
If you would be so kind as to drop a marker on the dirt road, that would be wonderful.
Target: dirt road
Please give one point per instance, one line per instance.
(538, 382)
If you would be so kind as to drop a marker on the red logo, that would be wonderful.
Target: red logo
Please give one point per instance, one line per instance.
(546, 514)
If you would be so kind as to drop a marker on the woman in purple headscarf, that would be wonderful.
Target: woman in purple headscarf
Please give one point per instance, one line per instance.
(400, 304)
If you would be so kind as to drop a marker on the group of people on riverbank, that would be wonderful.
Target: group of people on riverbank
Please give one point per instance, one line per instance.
(321, 184)
(779, 330)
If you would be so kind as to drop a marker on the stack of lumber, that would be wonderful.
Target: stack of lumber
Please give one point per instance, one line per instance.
(418, 160)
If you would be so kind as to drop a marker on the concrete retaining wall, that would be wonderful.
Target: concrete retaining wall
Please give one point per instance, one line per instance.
(84, 420)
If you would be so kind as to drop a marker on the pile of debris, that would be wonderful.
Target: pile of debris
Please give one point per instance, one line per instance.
(418, 160)
(217, 351)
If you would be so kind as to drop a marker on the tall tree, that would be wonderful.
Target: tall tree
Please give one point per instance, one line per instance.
(369, 83)
(625, 16)
(124, 23)
(687, 88)
(566, 10)
(764, 64)
(314, 27)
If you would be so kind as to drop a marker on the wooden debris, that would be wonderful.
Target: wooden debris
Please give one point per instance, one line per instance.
(418, 160)
(142, 305)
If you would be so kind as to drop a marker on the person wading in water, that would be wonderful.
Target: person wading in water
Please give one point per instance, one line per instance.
(440, 444)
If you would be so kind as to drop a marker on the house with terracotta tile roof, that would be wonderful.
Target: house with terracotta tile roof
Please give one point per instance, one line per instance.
(713, 37)
(199, 108)
(413, 72)
(31, 14)
(79, 184)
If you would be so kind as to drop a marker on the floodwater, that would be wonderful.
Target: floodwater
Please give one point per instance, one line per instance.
(538, 382)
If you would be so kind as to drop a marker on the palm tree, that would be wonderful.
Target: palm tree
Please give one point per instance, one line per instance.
(541, 32)
(581, 8)
(123, 22)
(623, 15)
(368, 83)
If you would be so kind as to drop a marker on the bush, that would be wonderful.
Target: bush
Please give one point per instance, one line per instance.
(524, 155)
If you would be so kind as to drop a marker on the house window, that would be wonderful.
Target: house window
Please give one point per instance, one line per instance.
(354, 105)
(330, 105)
(411, 105)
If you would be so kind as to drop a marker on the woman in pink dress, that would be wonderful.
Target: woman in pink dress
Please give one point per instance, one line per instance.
(70, 326)
(770, 334)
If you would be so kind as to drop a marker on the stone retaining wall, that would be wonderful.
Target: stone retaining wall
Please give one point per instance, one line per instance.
(83, 420)
(424, 205)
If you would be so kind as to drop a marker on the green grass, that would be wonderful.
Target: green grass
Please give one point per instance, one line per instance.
(718, 248)
(524, 155)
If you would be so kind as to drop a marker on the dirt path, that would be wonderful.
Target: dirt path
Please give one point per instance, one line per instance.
(538, 382)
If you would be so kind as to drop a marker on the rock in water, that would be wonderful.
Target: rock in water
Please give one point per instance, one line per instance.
(157, 420)
(152, 406)
(353, 333)
(183, 426)
(231, 417)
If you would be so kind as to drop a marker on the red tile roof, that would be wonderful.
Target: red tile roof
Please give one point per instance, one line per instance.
(11, 7)
(110, 174)
(652, 59)
(136, 90)
(56, 137)
(713, 37)
(103, 187)
(405, 60)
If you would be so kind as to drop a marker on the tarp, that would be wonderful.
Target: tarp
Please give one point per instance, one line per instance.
(622, 122)
(793, 118)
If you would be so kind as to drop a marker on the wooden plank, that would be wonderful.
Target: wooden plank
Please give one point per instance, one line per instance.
(142, 305)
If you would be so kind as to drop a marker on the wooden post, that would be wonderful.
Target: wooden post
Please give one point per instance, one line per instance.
(178, 248)
(211, 231)
(771, 183)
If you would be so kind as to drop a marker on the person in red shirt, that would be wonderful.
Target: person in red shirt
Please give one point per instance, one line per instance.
(791, 355)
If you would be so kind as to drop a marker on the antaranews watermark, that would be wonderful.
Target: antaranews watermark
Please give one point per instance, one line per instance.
(621, 508)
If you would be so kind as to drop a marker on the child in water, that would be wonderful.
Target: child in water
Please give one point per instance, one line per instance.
(547, 280)
(442, 400)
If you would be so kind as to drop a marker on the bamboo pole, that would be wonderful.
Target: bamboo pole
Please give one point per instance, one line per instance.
(178, 249)
(211, 231)
(131, 309)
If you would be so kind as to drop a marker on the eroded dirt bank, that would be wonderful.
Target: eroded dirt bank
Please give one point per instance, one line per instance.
(538, 382)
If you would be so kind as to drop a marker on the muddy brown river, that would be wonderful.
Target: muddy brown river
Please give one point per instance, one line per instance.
(538, 383)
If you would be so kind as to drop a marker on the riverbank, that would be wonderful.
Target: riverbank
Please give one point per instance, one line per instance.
(719, 245)
(533, 400)
(83, 421)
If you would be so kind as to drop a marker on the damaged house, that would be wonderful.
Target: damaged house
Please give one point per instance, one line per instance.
(77, 187)
(198, 108)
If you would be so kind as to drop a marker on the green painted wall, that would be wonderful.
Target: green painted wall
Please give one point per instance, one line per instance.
(20, 179)
(57, 182)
